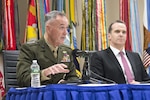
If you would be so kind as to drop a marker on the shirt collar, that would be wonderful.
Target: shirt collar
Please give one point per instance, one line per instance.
(51, 47)
(116, 51)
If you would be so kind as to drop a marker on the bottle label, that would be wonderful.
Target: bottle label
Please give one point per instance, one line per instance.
(35, 71)
(35, 74)
(35, 79)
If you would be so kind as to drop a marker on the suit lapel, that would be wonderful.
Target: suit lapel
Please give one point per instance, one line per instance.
(49, 54)
(114, 59)
(60, 55)
(46, 50)
(131, 60)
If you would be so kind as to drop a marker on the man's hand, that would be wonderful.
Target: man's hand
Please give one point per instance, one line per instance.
(55, 69)
(135, 82)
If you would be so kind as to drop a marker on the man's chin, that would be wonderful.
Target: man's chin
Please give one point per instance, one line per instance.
(60, 43)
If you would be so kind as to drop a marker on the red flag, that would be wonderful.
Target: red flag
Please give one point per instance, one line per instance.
(10, 38)
(125, 16)
(31, 32)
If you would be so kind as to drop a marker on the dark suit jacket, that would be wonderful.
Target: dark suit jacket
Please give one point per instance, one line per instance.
(45, 58)
(104, 63)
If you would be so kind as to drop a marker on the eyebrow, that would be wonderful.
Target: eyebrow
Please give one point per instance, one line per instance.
(63, 25)
(120, 30)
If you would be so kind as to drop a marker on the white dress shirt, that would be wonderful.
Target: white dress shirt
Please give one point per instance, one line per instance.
(116, 53)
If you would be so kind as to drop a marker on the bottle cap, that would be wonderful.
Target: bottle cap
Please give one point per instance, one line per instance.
(34, 61)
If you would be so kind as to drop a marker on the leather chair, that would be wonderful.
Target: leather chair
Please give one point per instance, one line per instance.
(9, 63)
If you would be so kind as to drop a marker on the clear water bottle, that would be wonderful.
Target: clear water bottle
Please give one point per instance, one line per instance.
(35, 74)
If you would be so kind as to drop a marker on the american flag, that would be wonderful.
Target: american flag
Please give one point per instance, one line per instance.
(146, 57)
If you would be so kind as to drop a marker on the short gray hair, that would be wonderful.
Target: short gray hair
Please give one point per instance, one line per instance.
(52, 15)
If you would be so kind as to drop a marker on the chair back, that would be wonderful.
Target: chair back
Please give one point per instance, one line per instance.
(9, 62)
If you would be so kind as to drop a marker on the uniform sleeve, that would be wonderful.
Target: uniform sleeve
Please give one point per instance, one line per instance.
(23, 66)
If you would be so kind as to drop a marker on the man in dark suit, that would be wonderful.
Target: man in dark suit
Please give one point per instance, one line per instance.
(108, 63)
(54, 58)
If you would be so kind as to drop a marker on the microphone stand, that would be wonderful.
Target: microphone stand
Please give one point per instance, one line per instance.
(86, 72)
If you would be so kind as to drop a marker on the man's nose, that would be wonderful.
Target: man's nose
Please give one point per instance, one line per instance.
(121, 33)
(66, 31)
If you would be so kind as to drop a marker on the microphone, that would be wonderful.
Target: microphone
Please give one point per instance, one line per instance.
(77, 52)
(103, 78)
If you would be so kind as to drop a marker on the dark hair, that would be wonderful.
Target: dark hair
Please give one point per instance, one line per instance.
(53, 15)
(117, 21)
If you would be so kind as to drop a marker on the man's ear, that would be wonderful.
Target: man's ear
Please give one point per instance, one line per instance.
(48, 28)
(108, 36)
